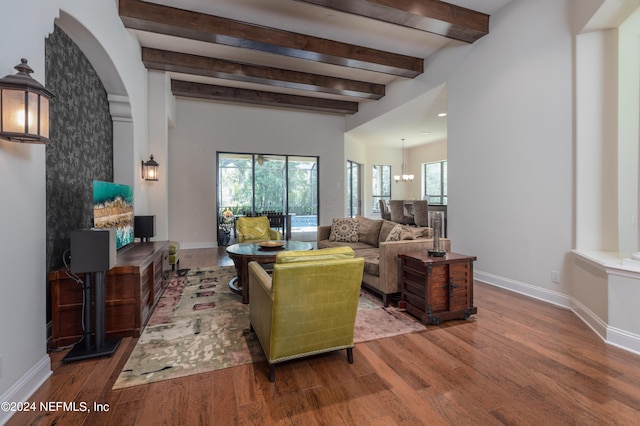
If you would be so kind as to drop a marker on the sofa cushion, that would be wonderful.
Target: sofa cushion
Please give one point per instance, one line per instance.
(371, 260)
(386, 227)
(369, 230)
(334, 253)
(345, 230)
(254, 228)
(395, 234)
(355, 246)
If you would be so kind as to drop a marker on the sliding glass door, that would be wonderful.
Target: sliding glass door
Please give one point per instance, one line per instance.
(303, 196)
(270, 189)
(270, 184)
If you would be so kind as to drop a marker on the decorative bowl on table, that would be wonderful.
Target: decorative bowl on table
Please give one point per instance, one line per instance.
(271, 245)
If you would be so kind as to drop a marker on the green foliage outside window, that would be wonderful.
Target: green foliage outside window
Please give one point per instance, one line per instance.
(278, 183)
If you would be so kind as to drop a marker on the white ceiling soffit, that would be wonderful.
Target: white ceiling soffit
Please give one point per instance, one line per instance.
(417, 122)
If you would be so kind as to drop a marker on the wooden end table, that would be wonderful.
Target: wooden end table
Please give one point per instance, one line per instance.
(243, 253)
(437, 289)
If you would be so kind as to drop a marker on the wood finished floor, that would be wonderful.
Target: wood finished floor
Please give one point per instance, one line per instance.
(517, 362)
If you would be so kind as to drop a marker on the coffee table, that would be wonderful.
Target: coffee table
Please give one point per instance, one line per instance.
(243, 253)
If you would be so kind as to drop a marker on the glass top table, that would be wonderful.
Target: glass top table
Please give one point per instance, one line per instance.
(243, 253)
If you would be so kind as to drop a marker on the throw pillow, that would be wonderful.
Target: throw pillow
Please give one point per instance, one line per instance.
(407, 233)
(395, 233)
(344, 230)
(386, 227)
(368, 230)
(423, 232)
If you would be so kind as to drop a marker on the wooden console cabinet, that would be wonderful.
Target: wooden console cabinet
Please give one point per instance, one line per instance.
(437, 289)
(132, 290)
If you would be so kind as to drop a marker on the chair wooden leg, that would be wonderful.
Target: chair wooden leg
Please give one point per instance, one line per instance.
(350, 355)
(272, 373)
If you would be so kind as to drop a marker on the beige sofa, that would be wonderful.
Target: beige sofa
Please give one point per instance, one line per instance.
(381, 271)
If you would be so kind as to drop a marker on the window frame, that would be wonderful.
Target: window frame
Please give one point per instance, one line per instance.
(375, 205)
(442, 196)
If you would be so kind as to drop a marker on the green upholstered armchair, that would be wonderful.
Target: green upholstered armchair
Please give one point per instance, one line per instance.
(254, 229)
(308, 306)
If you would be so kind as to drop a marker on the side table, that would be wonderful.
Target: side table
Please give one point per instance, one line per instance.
(437, 289)
(243, 253)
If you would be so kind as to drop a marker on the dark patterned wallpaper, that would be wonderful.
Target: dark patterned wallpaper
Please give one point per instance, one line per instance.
(81, 147)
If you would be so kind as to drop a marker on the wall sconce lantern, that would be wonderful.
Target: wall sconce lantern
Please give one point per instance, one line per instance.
(405, 177)
(24, 107)
(150, 170)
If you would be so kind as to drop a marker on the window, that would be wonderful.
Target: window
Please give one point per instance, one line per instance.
(381, 180)
(353, 188)
(435, 182)
(262, 183)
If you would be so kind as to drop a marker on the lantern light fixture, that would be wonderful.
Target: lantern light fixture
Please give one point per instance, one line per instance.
(24, 107)
(405, 177)
(150, 169)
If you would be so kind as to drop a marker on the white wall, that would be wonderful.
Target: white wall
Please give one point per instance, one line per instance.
(204, 127)
(629, 135)
(24, 362)
(608, 136)
(161, 108)
(22, 219)
(596, 133)
(510, 143)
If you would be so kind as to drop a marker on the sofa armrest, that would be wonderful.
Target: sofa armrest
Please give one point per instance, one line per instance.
(324, 231)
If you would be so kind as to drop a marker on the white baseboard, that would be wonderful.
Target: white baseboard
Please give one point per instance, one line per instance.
(623, 339)
(198, 245)
(545, 295)
(22, 390)
(611, 335)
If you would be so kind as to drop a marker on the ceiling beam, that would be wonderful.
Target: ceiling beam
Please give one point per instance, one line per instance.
(220, 68)
(143, 16)
(257, 97)
(432, 16)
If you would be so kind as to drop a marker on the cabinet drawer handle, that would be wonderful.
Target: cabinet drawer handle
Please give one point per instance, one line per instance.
(451, 286)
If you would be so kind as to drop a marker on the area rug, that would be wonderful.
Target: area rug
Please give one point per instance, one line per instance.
(200, 325)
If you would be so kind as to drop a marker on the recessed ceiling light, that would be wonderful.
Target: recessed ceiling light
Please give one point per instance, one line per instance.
(442, 114)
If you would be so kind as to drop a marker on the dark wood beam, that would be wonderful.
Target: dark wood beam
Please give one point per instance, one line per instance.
(140, 15)
(432, 16)
(257, 97)
(219, 68)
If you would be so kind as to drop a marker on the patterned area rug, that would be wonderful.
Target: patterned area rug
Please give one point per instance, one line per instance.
(199, 325)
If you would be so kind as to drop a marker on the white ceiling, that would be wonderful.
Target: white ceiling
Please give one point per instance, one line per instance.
(417, 122)
(408, 122)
